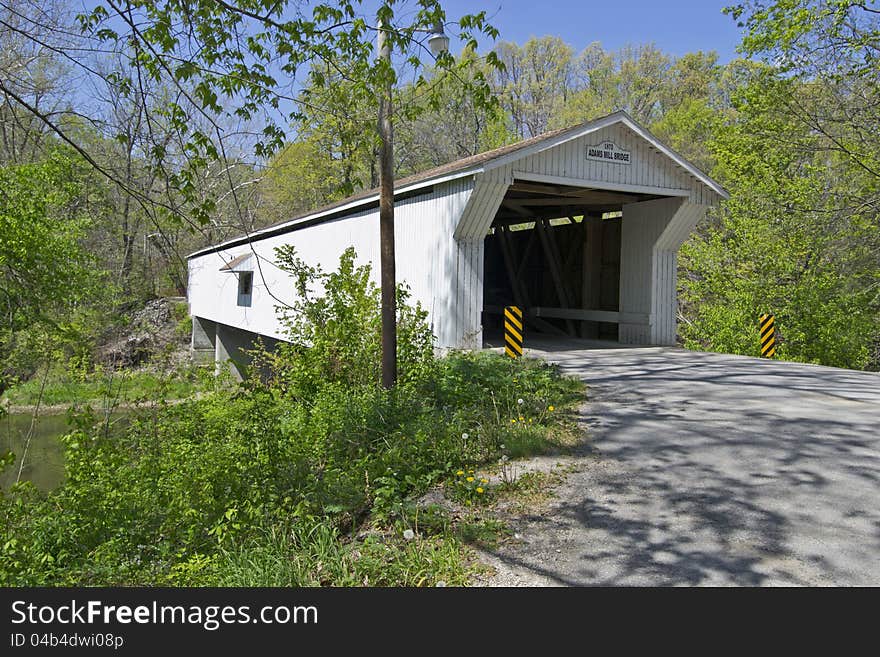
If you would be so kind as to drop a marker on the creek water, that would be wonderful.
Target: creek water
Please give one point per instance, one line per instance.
(44, 460)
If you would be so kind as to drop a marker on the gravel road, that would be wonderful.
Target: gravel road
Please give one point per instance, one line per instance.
(709, 469)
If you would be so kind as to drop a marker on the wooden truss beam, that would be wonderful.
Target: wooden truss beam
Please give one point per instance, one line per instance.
(551, 253)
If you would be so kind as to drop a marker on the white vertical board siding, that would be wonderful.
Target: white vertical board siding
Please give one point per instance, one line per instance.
(458, 316)
(440, 241)
(423, 244)
(652, 232)
(641, 226)
(649, 166)
(678, 230)
(482, 207)
(664, 304)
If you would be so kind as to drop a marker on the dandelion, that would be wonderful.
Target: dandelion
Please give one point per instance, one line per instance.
(520, 401)
(480, 490)
(512, 421)
(469, 479)
(409, 534)
(460, 472)
(522, 419)
(485, 481)
(551, 409)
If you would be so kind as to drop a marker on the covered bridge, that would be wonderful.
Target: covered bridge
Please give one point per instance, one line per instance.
(580, 227)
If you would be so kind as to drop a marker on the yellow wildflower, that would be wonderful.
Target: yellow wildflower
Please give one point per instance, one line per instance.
(479, 489)
(551, 409)
(460, 472)
(469, 479)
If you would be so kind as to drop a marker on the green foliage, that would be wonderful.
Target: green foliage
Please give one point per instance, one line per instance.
(316, 555)
(267, 482)
(45, 273)
(197, 50)
(483, 532)
(534, 82)
(334, 329)
(457, 122)
(317, 176)
(799, 236)
(82, 383)
(468, 487)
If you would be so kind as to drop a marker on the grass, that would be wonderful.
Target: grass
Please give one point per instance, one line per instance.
(124, 387)
(317, 556)
(440, 548)
(484, 533)
(251, 485)
(530, 490)
(304, 476)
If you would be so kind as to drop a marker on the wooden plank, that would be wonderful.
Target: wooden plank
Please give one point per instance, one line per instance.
(573, 248)
(533, 319)
(516, 207)
(552, 255)
(600, 184)
(593, 198)
(588, 315)
(520, 295)
(528, 252)
(591, 271)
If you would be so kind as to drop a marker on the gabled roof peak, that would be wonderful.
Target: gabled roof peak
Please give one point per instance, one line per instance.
(480, 163)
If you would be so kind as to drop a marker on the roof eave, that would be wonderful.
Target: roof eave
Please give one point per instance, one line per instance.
(703, 177)
(575, 133)
(353, 205)
(599, 124)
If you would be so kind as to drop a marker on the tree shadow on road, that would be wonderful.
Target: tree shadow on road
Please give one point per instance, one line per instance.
(715, 471)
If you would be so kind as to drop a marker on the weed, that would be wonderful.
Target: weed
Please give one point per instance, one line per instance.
(268, 482)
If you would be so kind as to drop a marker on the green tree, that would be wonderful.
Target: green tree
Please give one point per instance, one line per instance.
(779, 245)
(455, 125)
(301, 177)
(828, 55)
(45, 274)
(535, 82)
(632, 80)
(800, 236)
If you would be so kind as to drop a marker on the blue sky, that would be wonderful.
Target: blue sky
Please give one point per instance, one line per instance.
(676, 26)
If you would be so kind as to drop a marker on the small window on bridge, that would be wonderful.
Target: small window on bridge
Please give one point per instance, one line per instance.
(245, 288)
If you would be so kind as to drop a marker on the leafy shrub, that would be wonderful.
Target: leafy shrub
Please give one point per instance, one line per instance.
(334, 329)
(267, 481)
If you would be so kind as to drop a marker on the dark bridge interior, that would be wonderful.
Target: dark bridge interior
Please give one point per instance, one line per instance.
(554, 251)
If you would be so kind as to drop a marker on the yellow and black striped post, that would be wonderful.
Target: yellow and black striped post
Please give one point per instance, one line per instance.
(513, 330)
(768, 336)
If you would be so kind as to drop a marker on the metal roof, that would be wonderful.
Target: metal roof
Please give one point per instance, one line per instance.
(468, 166)
(233, 265)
